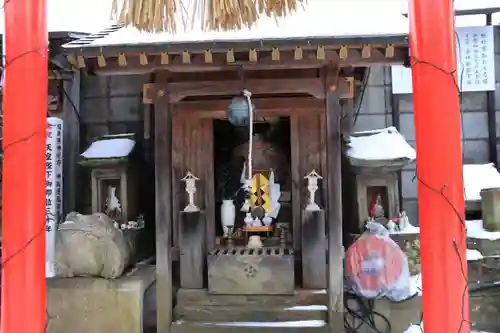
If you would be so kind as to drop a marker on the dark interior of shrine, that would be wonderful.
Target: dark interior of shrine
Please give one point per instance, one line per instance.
(271, 151)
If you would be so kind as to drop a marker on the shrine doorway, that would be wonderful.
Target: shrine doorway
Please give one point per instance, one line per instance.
(271, 171)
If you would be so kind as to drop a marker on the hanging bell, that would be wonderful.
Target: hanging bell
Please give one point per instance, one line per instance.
(238, 111)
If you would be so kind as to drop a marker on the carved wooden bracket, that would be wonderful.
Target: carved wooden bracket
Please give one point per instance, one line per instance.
(343, 85)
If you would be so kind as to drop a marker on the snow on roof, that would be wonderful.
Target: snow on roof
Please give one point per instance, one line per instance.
(478, 177)
(383, 144)
(320, 18)
(87, 16)
(109, 148)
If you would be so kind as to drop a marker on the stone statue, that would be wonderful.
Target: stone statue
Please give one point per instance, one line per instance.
(378, 213)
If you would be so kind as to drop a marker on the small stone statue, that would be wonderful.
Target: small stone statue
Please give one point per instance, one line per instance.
(190, 181)
(312, 187)
(378, 212)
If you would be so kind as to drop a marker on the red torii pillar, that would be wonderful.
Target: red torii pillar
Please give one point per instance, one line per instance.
(439, 162)
(24, 136)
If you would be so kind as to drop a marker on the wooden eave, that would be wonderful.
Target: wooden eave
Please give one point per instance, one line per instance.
(284, 53)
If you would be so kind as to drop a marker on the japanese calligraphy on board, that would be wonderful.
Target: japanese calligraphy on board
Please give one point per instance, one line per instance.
(53, 188)
(475, 58)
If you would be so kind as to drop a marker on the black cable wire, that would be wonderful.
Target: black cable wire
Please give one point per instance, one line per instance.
(363, 315)
(362, 95)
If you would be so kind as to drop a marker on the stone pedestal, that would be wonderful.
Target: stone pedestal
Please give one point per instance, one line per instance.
(97, 305)
(242, 271)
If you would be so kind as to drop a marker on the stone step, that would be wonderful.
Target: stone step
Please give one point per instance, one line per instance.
(200, 297)
(314, 326)
(218, 313)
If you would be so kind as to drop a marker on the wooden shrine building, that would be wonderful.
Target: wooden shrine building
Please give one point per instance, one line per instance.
(304, 83)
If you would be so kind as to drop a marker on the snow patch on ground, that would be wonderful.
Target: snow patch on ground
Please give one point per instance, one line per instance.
(420, 329)
(475, 229)
(478, 177)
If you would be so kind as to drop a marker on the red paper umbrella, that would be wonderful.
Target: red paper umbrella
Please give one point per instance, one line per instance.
(374, 264)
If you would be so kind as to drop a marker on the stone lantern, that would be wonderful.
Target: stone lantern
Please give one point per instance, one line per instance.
(113, 182)
(375, 158)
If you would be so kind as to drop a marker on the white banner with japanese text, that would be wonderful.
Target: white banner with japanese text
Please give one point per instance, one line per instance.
(53, 189)
(475, 58)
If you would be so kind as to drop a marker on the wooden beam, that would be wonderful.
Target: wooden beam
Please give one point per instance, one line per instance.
(268, 105)
(235, 73)
(163, 198)
(181, 90)
(265, 107)
(265, 60)
(232, 75)
(334, 212)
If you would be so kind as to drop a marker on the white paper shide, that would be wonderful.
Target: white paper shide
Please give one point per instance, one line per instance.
(53, 189)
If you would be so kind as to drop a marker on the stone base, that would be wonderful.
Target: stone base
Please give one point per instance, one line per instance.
(97, 305)
(242, 271)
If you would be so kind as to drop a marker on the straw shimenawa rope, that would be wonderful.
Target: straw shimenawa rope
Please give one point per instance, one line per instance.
(214, 15)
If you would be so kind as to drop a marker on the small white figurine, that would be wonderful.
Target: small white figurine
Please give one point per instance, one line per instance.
(248, 219)
(312, 187)
(257, 222)
(190, 180)
(114, 208)
(140, 221)
(404, 221)
(267, 220)
(391, 226)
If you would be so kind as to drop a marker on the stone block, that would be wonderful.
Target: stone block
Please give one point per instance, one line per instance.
(97, 305)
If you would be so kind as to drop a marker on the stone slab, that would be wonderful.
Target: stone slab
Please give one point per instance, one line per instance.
(97, 305)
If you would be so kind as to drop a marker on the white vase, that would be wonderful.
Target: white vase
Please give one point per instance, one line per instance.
(227, 215)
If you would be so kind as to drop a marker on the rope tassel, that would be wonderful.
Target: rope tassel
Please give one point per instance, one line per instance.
(219, 15)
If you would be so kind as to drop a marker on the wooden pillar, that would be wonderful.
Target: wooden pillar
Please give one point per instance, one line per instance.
(297, 181)
(334, 213)
(163, 203)
(492, 117)
(193, 249)
(313, 250)
(71, 141)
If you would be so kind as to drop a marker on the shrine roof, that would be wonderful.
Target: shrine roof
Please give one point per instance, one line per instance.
(382, 148)
(110, 147)
(320, 21)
